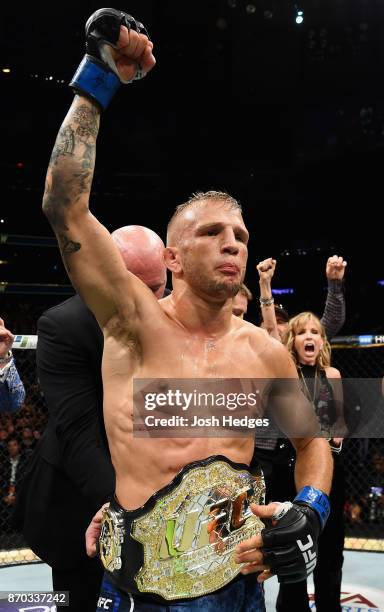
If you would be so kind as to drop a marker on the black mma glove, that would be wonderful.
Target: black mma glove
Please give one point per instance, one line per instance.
(290, 548)
(97, 76)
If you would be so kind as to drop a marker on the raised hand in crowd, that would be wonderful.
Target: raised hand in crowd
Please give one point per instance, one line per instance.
(335, 268)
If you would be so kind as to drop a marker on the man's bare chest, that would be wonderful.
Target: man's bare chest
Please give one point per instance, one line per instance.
(187, 356)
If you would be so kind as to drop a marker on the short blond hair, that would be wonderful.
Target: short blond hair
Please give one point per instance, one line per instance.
(323, 359)
(195, 200)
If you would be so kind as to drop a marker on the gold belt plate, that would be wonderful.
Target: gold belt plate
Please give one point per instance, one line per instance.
(190, 535)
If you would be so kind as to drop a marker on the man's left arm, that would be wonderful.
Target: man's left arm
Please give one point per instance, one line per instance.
(298, 421)
(313, 464)
(287, 546)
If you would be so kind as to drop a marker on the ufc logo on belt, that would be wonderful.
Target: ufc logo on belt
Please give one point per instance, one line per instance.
(104, 603)
(308, 554)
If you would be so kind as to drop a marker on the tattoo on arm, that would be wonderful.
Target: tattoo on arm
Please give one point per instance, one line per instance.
(67, 247)
(88, 160)
(78, 138)
(65, 144)
(88, 120)
(70, 172)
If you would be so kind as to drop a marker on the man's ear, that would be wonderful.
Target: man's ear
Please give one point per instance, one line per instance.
(172, 259)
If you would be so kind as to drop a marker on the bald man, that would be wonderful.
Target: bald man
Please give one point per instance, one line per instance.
(143, 254)
(71, 466)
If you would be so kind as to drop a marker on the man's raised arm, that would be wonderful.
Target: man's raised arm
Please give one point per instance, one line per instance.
(118, 52)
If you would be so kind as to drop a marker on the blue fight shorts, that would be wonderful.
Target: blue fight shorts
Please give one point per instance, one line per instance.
(243, 595)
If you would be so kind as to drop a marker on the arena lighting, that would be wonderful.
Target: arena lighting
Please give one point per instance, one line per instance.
(299, 17)
(46, 78)
(250, 8)
(365, 339)
(288, 291)
(6, 70)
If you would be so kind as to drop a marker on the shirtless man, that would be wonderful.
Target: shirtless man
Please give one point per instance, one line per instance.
(190, 334)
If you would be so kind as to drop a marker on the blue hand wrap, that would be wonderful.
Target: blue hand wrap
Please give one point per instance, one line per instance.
(96, 80)
(317, 500)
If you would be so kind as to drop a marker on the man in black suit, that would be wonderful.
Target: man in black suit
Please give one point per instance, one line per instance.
(71, 475)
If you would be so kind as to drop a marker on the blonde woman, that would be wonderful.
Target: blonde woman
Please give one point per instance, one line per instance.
(306, 341)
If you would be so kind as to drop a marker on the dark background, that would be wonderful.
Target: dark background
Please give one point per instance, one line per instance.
(288, 118)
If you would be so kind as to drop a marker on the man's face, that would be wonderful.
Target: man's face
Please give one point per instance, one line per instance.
(240, 305)
(213, 249)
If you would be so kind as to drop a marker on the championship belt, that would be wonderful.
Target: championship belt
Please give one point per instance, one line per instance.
(180, 544)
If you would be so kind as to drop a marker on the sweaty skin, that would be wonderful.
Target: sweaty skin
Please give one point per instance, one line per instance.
(190, 334)
(186, 335)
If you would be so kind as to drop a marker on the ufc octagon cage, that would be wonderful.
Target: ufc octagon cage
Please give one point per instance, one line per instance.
(360, 360)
